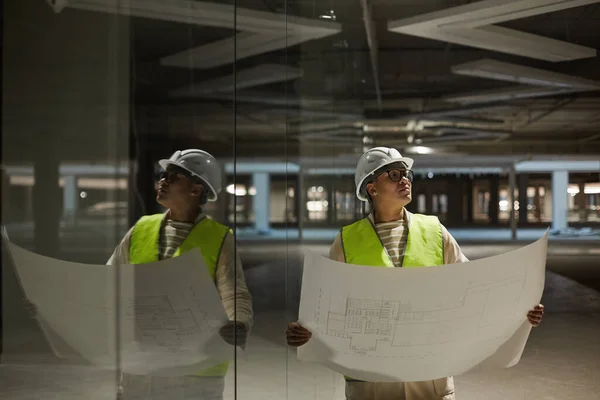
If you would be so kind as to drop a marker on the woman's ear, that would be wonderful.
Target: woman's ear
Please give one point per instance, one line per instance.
(197, 190)
(371, 189)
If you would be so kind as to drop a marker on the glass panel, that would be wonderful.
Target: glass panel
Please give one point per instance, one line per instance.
(240, 196)
(482, 204)
(68, 193)
(422, 199)
(346, 203)
(283, 204)
(584, 193)
(435, 204)
(443, 204)
(317, 203)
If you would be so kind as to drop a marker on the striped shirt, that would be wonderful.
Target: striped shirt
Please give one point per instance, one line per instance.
(393, 235)
(172, 235)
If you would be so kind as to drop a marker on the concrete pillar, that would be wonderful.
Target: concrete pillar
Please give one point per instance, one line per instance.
(523, 182)
(6, 198)
(142, 180)
(494, 199)
(512, 183)
(47, 206)
(428, 200)
(301, 202)
(581, 201)
(70, 198)
(261, 183)
(537, 202)
(560, 208)
(455, 201)
(469, 192)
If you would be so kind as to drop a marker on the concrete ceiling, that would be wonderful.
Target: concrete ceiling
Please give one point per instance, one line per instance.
(336, 96)
(329, 87)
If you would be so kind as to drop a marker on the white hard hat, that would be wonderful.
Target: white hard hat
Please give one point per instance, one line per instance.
(201, 165)
(372, 160)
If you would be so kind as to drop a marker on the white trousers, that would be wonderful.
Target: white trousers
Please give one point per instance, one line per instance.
(143, 387)
(439, 389)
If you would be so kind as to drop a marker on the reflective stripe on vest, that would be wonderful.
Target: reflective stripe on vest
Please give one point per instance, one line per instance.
(424, 247)
(207, 235)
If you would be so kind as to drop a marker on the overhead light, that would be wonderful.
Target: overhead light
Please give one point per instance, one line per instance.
(502, 71)
(238, 190)
(472, 25)
(420, 150)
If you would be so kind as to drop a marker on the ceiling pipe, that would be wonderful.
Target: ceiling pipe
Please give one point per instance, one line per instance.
(448, 112)
(373, 48)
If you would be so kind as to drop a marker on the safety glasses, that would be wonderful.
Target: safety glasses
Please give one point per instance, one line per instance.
(396, 175)
(170, 176)
(173, 174)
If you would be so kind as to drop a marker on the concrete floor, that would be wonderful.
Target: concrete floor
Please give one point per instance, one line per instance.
(561, 361)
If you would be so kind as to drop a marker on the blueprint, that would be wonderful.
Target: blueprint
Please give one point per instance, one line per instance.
(415, 324)
(161, 318)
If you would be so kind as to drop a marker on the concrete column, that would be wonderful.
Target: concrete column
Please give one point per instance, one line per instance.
(512, 183)
(47, 206)
(455, 201)
(70, 198)
(261, 183)
(560, 204)
(469, 191)
(523, 182)
(428, 200)
(494, 199)
(142, 179)
(581, 201)
(6, 198)
(301, 202)
(538, 204)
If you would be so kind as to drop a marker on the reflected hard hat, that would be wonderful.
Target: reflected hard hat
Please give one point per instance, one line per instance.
(200, 164)
(371, 161)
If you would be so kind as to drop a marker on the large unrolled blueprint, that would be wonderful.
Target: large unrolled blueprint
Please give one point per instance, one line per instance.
(416, 324)
(161, 318)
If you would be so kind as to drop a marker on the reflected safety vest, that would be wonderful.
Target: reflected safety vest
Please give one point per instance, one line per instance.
(424, 247)
(207, 235)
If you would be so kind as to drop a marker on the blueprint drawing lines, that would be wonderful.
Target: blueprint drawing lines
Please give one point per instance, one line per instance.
(366, 323)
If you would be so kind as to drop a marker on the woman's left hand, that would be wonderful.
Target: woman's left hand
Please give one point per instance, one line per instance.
(535, 316)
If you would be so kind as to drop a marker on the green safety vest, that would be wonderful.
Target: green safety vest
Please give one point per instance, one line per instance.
(424, 247)
(207, 235)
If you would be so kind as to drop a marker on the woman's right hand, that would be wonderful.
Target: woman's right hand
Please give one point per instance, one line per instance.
(297, 335)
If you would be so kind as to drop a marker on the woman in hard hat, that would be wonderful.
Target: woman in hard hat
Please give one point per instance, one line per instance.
(190, 179)
(393, 237)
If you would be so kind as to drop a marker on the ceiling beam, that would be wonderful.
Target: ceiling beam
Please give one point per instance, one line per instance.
(471, 25)
(259, 31)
